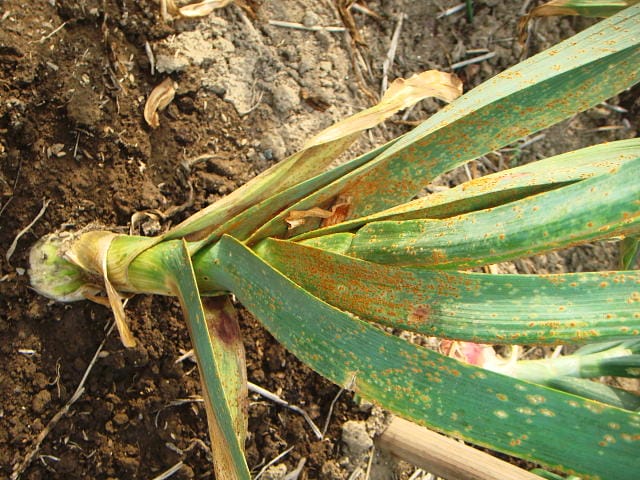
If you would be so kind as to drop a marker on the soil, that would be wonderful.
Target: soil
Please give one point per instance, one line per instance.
(74, 77)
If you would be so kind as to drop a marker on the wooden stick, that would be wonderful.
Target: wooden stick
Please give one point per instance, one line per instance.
(444, 456)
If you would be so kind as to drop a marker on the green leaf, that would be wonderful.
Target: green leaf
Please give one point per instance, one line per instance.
(476, 307)
(526, 420)
(597, 391)
(629, 248)
(597, 208)
(504, 186)
(570, 77)
(216, 350)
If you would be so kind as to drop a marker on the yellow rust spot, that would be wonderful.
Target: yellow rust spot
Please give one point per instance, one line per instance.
(502, 397)
(536, 399)
(525, 411)
(547, 413)
(501, 414)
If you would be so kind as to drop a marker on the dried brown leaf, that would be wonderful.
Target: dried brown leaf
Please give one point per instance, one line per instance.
(400, 95)
(547, 10)
(202, 9)
(589, 8)
(160, 98)
(339, 211)
(92, 256)
(298, 217)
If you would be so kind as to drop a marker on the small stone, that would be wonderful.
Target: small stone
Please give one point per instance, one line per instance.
(40, 380)
(356, 438)
(171, 64)
(224, 45)
(83, 107)
(216, 88)
(305, 65)
(275, 472)
(324, 39)
(365, 406)
(310, 19)
(131, 465)
(40, 401)
(273, 147)
(285, 99)
(185, 473)
(331, 471)
(326, 66)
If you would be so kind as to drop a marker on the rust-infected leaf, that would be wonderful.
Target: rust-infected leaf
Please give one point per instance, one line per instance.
(401, 94)
(160, 98)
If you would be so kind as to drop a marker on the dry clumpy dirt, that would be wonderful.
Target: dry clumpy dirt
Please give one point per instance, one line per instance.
(74, 76)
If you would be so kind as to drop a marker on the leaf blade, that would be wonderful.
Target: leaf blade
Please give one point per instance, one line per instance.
(474, 307)
(426, 387)
(609, 206)
(224, 414)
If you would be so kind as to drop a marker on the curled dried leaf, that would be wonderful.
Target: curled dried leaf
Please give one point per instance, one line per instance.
(588, 8)
(160, 98)
(400, 95)
(298, 217)
(339, 211)
(202, 9)
(168, 9)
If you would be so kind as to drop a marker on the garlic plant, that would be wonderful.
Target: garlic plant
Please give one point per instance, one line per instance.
(322, 256)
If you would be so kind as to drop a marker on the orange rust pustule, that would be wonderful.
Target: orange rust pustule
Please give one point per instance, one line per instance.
(419, 315)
